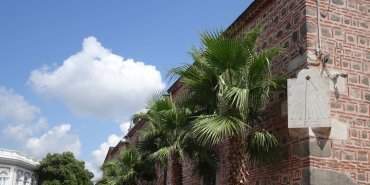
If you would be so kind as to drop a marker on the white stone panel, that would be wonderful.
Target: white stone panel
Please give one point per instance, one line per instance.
(309, 100)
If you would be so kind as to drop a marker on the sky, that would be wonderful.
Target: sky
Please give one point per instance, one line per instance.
(72, 73)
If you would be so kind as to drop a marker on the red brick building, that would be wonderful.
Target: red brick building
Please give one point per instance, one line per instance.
(336, 32)
(131, 138)
(113, 152)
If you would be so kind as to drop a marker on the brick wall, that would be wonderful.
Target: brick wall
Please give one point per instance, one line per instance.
(284, 25)
(346, 37)
(284, 22)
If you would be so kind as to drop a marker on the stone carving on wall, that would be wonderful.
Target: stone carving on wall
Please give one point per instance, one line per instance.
(309, 100)
(27, 178)
(4, 175)
(19, 177)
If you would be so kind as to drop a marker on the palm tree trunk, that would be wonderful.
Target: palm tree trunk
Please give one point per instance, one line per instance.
(176, 169)
(165, 177)
(237, 172)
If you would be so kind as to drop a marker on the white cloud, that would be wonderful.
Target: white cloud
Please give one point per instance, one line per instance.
(21, 132)
(55, 140)
(100, 153)
(22, 121)
(97, 172)
(21, 118)
(124, 127)
(15, 108)
(97, 82)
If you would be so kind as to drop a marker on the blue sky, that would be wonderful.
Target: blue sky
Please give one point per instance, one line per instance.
(72, 72)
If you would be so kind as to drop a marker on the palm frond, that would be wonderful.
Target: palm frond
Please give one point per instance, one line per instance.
(161, 155)
(236, 96)
(126, 169)
(154, 97)
(250, 38)
(263, 148)
(211, 130)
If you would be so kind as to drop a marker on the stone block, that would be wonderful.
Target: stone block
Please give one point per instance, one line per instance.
(335, 17)
(357, 54)
(361, 8)
(314, 147)
(348, 155)
(353, 79)
(355, 93)
(354, 133)
(299, 133)
(367, 56)
(347, 21)
(362, 40)
(315, 176)
(301, 149)
(345, 64)
(364, 25)
(365, 80)
(361, 176)
(338, 2)
(310, 11)
(362, 156)
(339, 130)
(284, 12)
(297, 62)
(354, 23)
(336, 105)
(366, 68)
(311, 27)
(350, 108)
(367, 96)
(279, 34)
(352, 4)
(326, 32)
(320, 148)
(351, 38)
(356, 66)
(308, 100)
(364, 109)
(295, 36)
(339, 34)
(288, 26)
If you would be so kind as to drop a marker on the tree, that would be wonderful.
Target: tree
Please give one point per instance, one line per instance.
(167, 137)
(129, 169)
(60, 169)
(166, 129)
(227, 86)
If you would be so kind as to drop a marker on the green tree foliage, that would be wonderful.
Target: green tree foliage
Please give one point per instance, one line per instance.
(129, 169)
(63, 169)
(227, 87)
(168, 137)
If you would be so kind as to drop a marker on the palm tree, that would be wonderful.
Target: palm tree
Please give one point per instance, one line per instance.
(129, 169)
(166, 128)
(227, 87)
(167, 138)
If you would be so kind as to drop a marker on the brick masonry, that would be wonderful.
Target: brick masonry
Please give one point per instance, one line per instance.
(345, 26)
(345, 29)
(347, 39)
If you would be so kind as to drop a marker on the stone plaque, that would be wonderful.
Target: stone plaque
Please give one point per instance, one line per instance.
(308, 100)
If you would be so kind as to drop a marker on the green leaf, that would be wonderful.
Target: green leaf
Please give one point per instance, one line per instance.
(263, 148)
(211, 130)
